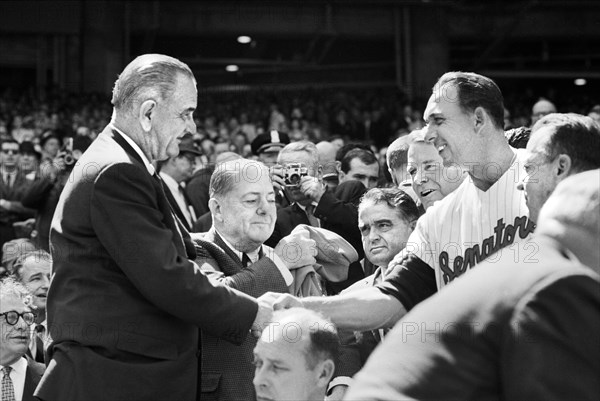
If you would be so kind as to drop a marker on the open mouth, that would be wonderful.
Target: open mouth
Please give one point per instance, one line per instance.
(426, 192)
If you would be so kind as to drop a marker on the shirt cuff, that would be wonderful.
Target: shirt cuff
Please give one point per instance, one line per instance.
(285, 272)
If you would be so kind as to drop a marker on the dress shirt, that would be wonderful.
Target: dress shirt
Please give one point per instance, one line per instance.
(138, 150)
(268, 252)
(17, 375)
(176, 190)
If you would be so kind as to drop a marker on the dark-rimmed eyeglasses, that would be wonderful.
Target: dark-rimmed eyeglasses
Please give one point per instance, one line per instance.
(12, 317)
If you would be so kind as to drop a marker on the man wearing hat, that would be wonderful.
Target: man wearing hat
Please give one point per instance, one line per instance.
(174, 172)
(267, 146)
(30, 160)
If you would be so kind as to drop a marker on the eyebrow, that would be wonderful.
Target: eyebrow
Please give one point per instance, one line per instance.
(432, 116)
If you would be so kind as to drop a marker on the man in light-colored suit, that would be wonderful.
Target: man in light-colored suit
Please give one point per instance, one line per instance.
(126, 302)
(242, 204)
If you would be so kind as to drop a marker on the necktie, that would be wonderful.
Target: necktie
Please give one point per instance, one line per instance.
(39, 343)
(246, 260)
(314, 222)
(8, 391)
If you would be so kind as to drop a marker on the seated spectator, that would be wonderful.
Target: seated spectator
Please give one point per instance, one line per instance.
(295, 357)
(11, 251)
(360, 165)
(13, 184)
(327, 161)
(267, 146)
(33, 270)
(19, 374)
(386, 218)
(232, 253)
(30, 160)
(541, 108)
(473, 342)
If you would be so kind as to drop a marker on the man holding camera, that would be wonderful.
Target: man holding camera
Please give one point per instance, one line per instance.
(299, 174)
(43, 193)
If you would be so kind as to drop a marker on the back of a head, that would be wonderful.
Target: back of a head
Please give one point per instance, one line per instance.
(148, 75)
(474, 90)
(571, 215)
(574, 135)
(227, 174)
(365, 156)
(397, 151)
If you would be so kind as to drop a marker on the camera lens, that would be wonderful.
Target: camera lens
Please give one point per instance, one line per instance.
(294, 179)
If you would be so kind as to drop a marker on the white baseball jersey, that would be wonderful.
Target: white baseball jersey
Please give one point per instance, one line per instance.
(469, 225)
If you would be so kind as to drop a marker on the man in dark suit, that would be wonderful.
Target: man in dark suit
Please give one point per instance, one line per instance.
(13, 185)
(19, 375)
(174, 172)
(126, 302)
(242, 203)
(317, 206)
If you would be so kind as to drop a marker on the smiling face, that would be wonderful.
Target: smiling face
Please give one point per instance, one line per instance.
(173, 118)
(384, 232)
(14, 340)
(35, 275)
(246, 215)
(431, 181)
(451, 129)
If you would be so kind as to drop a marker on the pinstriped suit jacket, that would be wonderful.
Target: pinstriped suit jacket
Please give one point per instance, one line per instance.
(227, 370)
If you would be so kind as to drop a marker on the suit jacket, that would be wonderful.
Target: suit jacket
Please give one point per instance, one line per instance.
(337, 212)
(504, 331)
(227, 370)
(197, 189)
(175, 207)
(18, 212)
(125, 302)
(34, 373)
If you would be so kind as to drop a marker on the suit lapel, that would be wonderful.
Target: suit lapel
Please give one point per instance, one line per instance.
(211, 245)
(186, 246)
(176, 209)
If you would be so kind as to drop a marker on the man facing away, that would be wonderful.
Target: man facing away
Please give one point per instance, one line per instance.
(126, 302)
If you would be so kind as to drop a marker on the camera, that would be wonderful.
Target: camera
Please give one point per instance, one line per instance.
(67, 152)
(293, 172)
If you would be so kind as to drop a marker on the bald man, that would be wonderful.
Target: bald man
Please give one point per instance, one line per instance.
(535, 339)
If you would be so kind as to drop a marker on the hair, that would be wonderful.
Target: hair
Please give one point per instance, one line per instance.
(395, 198)
(518, 137)
(397, 152)
(365, 156)
(9, 286)
(147, 75)
(474, 90)
(301, 146)
(9, 140)
(574, 135)
(339, 155)
(38, 254)
(323, 334)
(229, 173)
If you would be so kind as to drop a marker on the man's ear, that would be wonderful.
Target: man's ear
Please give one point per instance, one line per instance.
(563, 166)
(325, 372)
(147, 110)
(215, 209)
(481, 117)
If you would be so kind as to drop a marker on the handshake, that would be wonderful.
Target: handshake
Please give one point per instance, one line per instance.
(267, 304)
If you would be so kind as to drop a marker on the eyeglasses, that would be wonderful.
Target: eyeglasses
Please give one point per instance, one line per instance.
(12, 317)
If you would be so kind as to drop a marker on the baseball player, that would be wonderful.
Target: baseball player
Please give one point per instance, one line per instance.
(484, 215)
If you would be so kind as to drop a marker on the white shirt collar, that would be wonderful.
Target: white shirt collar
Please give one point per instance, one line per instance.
(170, 181)
(138, 150)
(252, 255)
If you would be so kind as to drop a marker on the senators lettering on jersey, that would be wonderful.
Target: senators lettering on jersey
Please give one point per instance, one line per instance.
(504, 235)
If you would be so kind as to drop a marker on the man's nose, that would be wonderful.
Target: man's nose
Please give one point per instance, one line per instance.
(430, 133)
